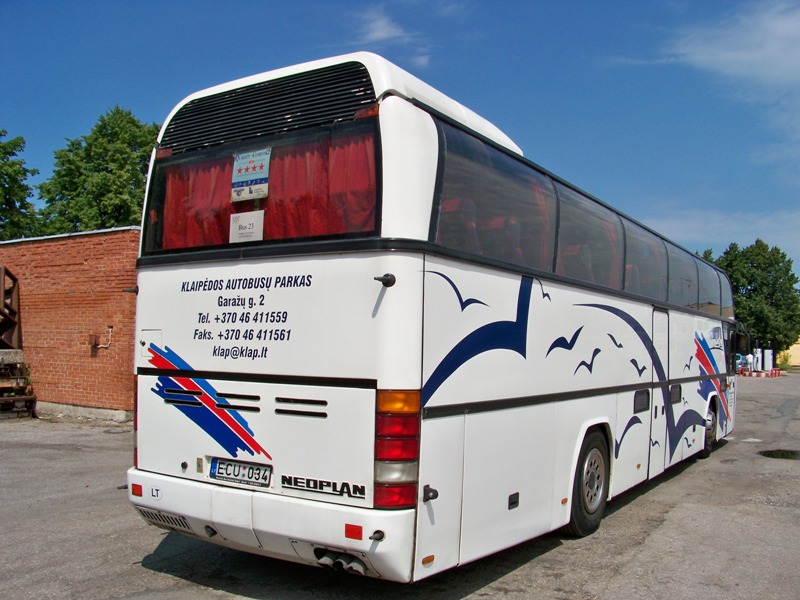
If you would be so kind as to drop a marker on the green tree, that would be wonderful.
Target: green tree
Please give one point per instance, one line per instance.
(98, 179)
(765, 293)
(17, 214)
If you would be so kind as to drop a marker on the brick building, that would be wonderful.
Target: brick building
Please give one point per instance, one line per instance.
(72, 288)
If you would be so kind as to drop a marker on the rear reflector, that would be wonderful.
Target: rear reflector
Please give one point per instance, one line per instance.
(397, 448)
(353, 532)
(136, 489)
(397, 425)
(402, 495)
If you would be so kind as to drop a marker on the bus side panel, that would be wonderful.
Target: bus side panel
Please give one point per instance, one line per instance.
(660, 398)
(439, 519)
(532, 364)
(681, 351)
(697, 345)
(632, 425)
(508, 483)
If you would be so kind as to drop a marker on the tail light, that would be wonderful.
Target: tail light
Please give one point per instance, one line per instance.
(397, 426)
(369, 111)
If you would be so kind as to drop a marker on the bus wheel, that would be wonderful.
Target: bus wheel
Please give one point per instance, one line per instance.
(590, 488)
(711, 431)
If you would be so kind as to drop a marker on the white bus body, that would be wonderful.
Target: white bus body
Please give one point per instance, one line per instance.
(381, 400)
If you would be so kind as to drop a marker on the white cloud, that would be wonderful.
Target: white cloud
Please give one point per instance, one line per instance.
(760, 44)
(378, 27)
(756, 51)
(420, 60)
(697, 229)
(380, 32)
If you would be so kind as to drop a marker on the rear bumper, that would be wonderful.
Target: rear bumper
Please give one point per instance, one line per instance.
(277, 526)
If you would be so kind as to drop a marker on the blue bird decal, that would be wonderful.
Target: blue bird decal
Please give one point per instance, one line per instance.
(617, 443)
(544, 294)
(614, 340)
(562, 342)
(461, 301)
(636, 366)
(498, 335)
(589, 365)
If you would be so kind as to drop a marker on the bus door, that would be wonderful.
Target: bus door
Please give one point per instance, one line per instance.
(658, 408)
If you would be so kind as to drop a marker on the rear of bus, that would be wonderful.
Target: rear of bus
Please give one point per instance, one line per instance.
(279, 330)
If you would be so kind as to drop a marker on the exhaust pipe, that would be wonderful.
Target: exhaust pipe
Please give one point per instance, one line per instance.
(343, 562)
(328, 559)
(356, 567)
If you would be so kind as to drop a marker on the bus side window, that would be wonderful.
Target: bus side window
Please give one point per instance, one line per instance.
(683, 286)
(500, 238)
(457, 225)
(590, 246)
(632, 279)
(494, 205)
(727, 296)
(576, 262)
(709, 289)
(645, 262)
(539, 242)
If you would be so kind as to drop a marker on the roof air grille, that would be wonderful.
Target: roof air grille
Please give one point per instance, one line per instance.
(314, 98)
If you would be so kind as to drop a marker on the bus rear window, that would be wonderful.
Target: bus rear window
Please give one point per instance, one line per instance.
(291, 187)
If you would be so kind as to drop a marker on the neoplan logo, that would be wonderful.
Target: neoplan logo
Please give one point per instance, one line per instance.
(322, 486)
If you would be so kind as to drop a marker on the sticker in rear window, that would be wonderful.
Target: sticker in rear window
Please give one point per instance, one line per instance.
(250, 175)
(247, 227)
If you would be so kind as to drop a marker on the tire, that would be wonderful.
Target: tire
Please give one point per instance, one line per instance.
(590, 487)
(710, 437)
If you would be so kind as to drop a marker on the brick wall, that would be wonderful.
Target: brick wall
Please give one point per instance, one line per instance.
(71, 287)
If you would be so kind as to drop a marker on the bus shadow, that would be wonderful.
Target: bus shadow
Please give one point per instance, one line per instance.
(627, 497)
(257, 577)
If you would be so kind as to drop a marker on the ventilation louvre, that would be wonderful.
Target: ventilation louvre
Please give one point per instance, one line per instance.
(314, 98)
(165, 520)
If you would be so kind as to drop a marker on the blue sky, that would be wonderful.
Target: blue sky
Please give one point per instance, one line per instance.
(683, 114)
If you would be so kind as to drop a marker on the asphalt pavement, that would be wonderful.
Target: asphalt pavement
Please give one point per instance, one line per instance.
(726, 527)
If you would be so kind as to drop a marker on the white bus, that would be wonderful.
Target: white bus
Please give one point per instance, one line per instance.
(372, 336)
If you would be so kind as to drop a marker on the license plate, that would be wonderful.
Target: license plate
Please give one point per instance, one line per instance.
(235, 471)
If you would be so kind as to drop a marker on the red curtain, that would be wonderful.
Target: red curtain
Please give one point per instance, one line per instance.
(319, 188)
(197, 201)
